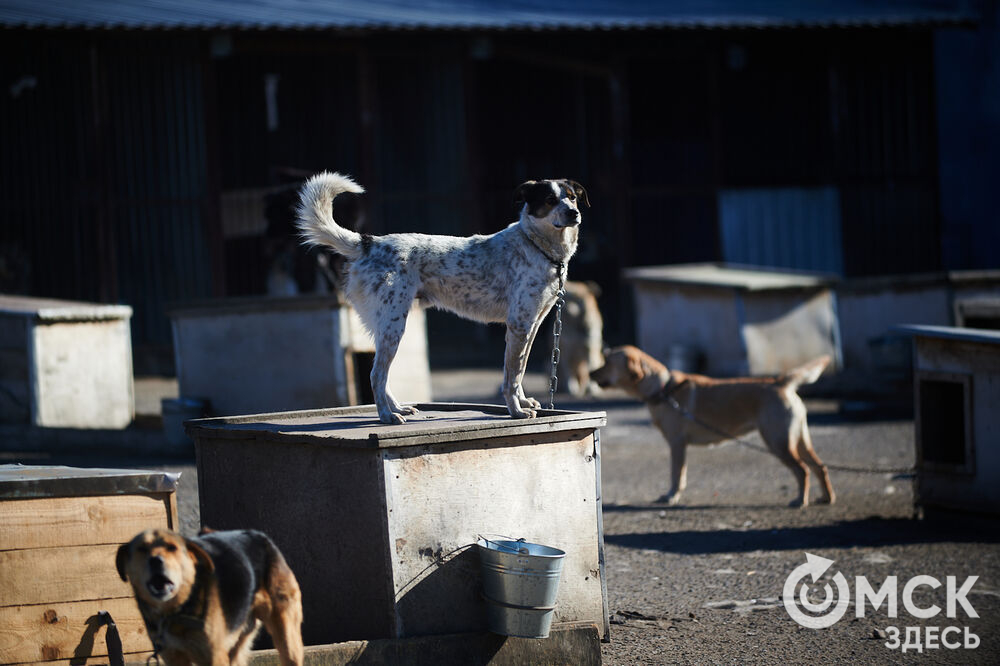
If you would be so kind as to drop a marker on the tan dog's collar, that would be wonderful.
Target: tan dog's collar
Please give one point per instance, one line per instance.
(665, 393)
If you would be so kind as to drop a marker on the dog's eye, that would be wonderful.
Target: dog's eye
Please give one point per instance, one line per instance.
(571, 196)
(171, 548)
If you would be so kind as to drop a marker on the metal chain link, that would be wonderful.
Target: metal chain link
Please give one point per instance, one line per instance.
(556, 332)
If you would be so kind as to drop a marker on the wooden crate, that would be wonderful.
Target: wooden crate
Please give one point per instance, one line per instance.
(60, 529)
(254, 355)
(376, 521)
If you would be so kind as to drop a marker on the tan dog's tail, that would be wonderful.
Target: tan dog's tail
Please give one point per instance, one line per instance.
(316, 221)
(806, 373)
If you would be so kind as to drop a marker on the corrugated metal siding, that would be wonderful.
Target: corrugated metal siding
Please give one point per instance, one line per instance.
(421, 170)
(494, 14)
(783, 227)
(49, 197)
(102, 175)
(885, 156)
(314, 127)
(157, 178)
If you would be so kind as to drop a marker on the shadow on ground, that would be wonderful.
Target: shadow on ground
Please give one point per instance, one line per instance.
(843, 534)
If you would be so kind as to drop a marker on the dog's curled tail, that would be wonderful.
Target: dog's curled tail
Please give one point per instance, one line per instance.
(315, 217)
(807, 373)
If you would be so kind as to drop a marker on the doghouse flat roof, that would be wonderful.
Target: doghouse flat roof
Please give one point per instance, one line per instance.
(950, 333)
(359, 427)
(727, 276)
(29, 481)
(51, 309)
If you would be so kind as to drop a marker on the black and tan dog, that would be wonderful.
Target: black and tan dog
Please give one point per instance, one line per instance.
(204, 599)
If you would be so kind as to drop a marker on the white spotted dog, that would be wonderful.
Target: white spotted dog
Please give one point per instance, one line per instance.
(511, 276)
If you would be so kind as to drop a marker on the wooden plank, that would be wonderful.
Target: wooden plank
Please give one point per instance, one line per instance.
(579, 645)
(53, 575)
(131, 659)
(78, 521)
(48, 632)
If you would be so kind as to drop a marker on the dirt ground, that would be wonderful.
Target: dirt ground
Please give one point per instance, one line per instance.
(702, 582)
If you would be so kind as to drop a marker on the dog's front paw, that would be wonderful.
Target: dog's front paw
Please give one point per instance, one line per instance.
(523, 413)
(407, 411)
(391, 418)
(529, 403)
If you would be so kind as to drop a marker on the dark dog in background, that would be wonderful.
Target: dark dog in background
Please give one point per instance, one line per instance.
(203, 600)
(582, 338)
(292, 268)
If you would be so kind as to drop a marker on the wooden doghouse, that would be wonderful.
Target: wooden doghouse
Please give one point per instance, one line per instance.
(378, 521)
(956, 375)
(65, 364)
(60, 529)
(739, 320)
(255, 355)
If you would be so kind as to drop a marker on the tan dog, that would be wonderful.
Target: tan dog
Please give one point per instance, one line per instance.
(694, 409)
(203, 600)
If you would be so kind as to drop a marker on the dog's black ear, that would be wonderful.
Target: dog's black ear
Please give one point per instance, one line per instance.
(520, 194)
(199, 555)
(581, 193)
(121, 559)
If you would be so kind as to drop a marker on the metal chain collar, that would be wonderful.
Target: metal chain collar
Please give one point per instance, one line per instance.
(556, 332)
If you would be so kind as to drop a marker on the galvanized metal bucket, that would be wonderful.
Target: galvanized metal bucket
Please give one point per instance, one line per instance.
(520, 583)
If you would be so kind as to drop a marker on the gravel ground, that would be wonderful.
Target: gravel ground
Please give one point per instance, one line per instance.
(702, 582)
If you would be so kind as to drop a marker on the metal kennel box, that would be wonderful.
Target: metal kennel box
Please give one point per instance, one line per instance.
(379, 522)
(60, 529)
(956, 377)
(256, 355)
(65, 364)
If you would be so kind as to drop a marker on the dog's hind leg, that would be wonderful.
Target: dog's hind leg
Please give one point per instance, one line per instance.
(284, 625)
(808, 454)
(783, 441)
(392, 323)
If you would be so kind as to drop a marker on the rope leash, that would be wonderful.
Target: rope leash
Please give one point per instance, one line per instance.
(670, 400)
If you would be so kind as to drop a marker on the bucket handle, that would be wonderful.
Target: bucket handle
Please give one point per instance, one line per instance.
(500, 545)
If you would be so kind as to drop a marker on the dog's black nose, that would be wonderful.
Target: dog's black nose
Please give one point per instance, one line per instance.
(156, 563)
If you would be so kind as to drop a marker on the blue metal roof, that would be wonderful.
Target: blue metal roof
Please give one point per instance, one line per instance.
(480, 14)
